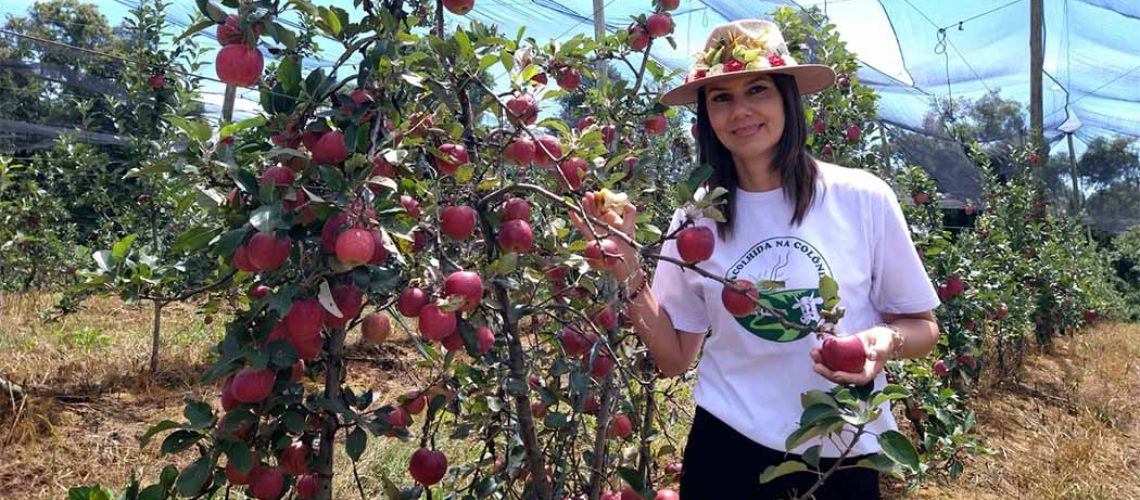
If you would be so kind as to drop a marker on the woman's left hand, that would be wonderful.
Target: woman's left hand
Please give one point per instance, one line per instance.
(877, 342)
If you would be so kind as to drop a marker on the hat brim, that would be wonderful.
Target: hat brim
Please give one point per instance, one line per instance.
(810, 78)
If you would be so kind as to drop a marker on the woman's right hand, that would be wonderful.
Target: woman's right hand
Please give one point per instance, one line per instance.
(624, 222)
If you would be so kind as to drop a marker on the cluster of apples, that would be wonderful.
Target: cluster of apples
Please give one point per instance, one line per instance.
(239, 62)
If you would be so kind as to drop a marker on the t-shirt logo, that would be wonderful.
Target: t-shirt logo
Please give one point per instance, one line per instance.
(786, 270)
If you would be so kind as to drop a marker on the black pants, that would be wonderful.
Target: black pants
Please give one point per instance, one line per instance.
(721, 463)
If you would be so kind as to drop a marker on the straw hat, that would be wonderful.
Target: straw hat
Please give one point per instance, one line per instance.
(747, 47)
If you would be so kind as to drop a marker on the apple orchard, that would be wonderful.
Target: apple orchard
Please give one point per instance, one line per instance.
(419, 193)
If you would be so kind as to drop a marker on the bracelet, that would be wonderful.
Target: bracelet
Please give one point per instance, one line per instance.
(640, 288)
(897, 339)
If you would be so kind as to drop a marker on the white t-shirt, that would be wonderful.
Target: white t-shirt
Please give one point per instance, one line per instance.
(752, 371)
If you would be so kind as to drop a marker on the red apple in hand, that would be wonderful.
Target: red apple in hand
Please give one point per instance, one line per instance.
(740, 304)
(844, 354)
(695, 244)
(603, 255)
(428, 467)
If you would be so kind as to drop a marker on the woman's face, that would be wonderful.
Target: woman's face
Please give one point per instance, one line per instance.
(747, 114)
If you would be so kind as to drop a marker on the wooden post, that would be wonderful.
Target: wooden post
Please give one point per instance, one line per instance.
(1036, 60)
(228, 104)
(1074, 174)
(599, 33)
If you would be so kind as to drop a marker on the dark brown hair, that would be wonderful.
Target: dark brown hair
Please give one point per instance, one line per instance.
(797, 169)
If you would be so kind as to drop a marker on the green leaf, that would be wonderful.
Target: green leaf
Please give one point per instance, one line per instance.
(556, 420)
(163, 426)
(119, 250)
(178, 441)
(238, 454)
(153, 492)
(816, 397)
(248, 123)
(200, 415)
(89, 493)
(899, 449)
(878, 462)
(775, 471)
(196, 129)
(355, 442)
(194, 239)
(811, 456)
(816, 412)
(828, 288)
(329, 22)
(212, 11)
(229, 242)
(104, 260)
(390, 489)
(193, 478)
(632, 477)
(194, 28)
(267, 218)
(285, 36)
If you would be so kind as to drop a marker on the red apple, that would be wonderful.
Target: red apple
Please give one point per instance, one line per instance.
(630, 164)
(667, 4)
(516, 208)
(436, 324)
(569, 79)
(278, 176)
(330, 148)
(239, 65)
(522, 110)
(627, 493)
(453, 342)
(602, 366)
(575, 171)
(940, 369)
(638, 38)
(538, 409)
(294, 459)
(427, 467)
(673, 470)
(844, 80)
(520, 151)
(1002, 312)
(379, 252)
(305, 318)
(695, 244)
(253, 386)
(376, 328)
(234, 477)
(826, 151)
(820, 126)
(410, 205)
(574, 342)
(656, 124)
(585, 122)
(609, 134)
(467, 284)
(412, 300)
(853, 133)
(298, 371)
(620, 427)
(955, 284)
(667, 494)
(609, 495)
(516, 236)
(415, 403)
(605, 319)
(229, 32)
(459, 8)
(556, 273)
(307, 486)
(844, 353)
(266, 483)
(457, 223)
(485, 338)
(354, 247)
(398, 418)
(547, 150)
(350, 300)
(659, 25)
(267, 252)
(968, 360)
(920, 198)
(591, 404)
(454, 156)
(603, 255)
(740, 304)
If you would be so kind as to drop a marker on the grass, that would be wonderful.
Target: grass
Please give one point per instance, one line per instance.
(1066, 431)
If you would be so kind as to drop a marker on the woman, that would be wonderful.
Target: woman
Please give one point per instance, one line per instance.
(789, 220)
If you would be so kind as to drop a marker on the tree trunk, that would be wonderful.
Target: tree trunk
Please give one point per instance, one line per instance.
(155, 335)
(324, 465)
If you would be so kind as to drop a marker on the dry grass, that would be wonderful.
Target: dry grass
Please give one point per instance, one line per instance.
(1066, 432)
